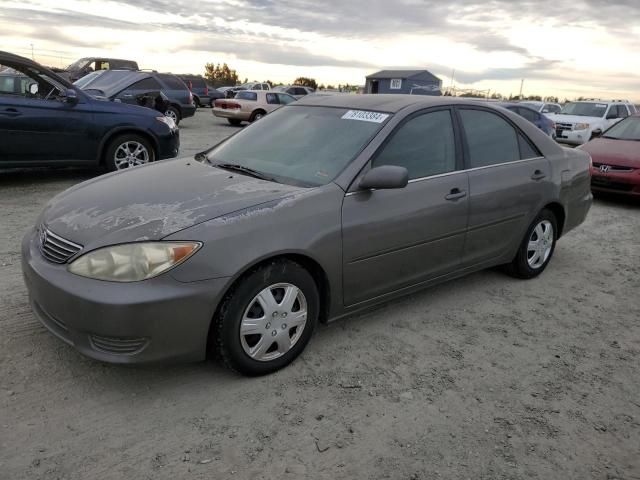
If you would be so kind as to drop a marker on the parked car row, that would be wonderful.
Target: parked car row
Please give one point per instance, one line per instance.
(47, 121)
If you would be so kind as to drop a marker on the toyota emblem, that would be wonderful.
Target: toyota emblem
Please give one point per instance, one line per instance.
(604, 168)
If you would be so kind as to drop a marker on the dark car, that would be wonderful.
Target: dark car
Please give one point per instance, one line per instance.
(616, 158)
(540, 120)
(124, 86)
(297, 91)
(82, 67)
(49, 122)
(203, 94)
(247, 247)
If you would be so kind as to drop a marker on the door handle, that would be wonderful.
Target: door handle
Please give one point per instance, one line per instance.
(455, 194)
(538, 175)
(10, 112)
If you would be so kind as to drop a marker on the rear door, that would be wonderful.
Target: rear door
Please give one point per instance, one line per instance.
(397, 238)
(509, 181)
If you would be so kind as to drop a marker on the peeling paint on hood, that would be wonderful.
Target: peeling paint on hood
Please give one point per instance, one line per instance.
(151, 202)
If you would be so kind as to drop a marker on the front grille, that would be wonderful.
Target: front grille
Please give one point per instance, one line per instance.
(614, 168)
(117, 346)
(564, 126)
(55, 248)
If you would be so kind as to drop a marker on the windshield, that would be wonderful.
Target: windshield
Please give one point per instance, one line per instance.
(299, 145)
(78, 64)
(627, 129)
(584, 109)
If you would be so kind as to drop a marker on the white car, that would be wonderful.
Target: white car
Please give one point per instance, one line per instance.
(542, 107)
(579, 122)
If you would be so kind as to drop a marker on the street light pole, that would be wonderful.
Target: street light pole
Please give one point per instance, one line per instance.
(521, 85)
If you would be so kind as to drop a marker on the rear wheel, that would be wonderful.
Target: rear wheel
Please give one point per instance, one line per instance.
(234, 121)
(196, 100)
(267, 319)
(257, 115)
(536, 248)
(128, 151)
(174, 113)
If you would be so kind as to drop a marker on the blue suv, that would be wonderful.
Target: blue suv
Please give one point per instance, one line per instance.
(46, 121)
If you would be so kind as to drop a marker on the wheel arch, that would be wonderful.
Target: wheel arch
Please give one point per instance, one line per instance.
(257, 110)
(123, 131)
(311, 265)
(558, 210)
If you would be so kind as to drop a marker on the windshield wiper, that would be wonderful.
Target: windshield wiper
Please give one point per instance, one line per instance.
(246, 170)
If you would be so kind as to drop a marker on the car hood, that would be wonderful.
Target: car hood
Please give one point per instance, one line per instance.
(153, 201)
(623, 153)
(572, 118)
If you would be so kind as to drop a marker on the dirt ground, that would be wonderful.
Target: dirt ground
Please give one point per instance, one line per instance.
(485, 377)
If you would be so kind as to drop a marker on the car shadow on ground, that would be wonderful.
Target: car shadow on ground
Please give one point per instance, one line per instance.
(616, 200)
(44, 175)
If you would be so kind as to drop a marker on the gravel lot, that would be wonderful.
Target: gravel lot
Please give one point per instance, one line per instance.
(483, 378)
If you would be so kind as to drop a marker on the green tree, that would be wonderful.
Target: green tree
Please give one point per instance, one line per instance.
(219, 76)
(306, 82)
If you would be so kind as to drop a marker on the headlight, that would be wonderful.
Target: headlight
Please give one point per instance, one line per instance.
(133, 262)
(581, 126)
(168, 121)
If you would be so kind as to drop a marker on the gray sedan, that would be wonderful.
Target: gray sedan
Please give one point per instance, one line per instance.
(244, 249)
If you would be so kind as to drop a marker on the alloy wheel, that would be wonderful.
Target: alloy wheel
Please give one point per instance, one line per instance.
(273, 322)
(540, 244)
(172, 114)
(129, 154)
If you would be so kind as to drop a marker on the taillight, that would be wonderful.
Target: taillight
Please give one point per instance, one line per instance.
(226, 105)
(232, 105)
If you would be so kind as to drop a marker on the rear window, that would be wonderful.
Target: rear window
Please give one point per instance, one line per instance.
(245, 95)
(172, 82)
(196, 82)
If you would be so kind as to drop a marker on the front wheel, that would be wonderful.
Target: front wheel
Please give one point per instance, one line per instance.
(536, 248)
(174, 113)
(128, 151)
(267, 319)
(257, 115)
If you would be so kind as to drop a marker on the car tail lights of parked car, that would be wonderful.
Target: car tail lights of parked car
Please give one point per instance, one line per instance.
(226, 105)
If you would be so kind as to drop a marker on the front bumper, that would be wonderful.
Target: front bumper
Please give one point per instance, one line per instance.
(622, 183)
(234, 113)
(169, 145)
(154, 320)
(573, 137)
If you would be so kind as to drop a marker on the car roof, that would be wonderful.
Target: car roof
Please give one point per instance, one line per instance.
(390, 103)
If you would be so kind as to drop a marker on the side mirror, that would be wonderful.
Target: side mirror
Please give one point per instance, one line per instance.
(385, 177)
(33, 88)
(71, 96)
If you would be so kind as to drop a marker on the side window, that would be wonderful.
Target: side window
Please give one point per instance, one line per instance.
(528, 114)
(552, 108)
(526, 150)
(272, 99)
(622, 111)
(490, 138)
(146, 84)
(424, 145)
(285, 99)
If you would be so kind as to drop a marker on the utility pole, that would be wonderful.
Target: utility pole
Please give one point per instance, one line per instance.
(32, 57)
(521, 85)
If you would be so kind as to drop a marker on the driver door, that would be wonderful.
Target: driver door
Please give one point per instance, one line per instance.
(393, 239)
(41, 127)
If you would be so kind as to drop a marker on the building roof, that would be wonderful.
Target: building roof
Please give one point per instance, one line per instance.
(404, 74)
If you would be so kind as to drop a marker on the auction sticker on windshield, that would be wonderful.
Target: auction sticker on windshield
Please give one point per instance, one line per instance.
(364, 116)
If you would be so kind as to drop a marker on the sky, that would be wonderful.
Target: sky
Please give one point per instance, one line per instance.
(567, 49)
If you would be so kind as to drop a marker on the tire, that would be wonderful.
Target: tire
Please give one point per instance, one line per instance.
(257, 115)
(196, 101)
(174, 113)
(275, 342)
(529, 262)
(116, 158)
(234, 121)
